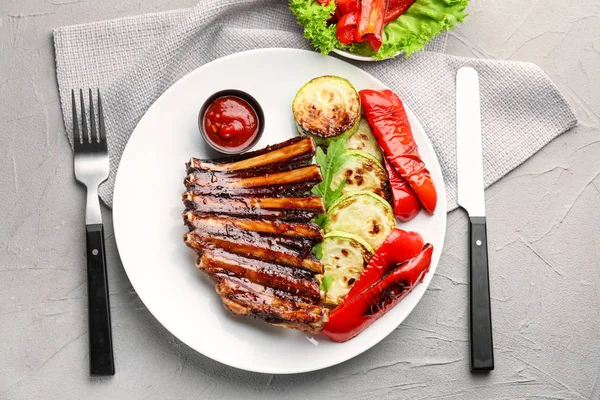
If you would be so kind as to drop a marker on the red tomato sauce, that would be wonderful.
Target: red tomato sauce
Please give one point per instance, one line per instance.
(231, 123)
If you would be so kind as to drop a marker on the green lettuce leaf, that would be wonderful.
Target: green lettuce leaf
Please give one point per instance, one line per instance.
(314, 16)
(423, 21)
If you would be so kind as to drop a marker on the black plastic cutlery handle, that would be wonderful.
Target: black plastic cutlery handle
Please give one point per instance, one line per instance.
(482, 348)
(101, 350)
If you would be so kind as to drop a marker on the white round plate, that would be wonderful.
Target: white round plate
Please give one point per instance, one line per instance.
(148, 224)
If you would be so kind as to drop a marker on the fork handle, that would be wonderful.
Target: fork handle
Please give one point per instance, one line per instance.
(101, 350)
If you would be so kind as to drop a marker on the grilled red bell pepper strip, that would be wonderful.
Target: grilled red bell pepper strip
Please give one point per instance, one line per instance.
(348, 6)
(399, 246)
(370, 22)
(346, 28)
(347, 321)
(406, 204)
(337, 15)
(386, 116)
(395, 9)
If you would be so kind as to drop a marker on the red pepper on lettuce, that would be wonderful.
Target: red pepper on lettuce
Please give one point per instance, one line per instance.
(346, 28)
(420, 23)
(370, 22)
(348, 6)
(395, 9)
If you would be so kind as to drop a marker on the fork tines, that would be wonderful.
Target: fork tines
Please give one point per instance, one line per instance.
(93, 139)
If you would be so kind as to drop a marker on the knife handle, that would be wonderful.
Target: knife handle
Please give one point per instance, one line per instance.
(101, 349)
(482, 348)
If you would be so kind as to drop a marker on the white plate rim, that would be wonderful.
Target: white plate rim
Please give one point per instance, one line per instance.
(418, 291)
(358, 57)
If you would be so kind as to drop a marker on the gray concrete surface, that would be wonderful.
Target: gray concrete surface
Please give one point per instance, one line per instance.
(544, 236)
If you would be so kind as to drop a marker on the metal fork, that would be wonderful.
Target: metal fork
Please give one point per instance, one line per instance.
(91, 169)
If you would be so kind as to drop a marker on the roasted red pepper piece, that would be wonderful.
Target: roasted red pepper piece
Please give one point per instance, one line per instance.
(337, 15)
(386, 116)
(399, 246)
(347, 321)
(406, 203)
(348, 6)
(346, 28)
(370, 22)
(395, 9)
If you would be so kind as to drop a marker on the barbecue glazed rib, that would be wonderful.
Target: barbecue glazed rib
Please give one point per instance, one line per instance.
(233, 180)
(243, 299)
(249, 223)
(276, 276)
(294, 152)
(257, 249)
(307, 230)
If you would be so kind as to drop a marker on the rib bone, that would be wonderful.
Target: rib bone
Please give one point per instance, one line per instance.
(300, 209)
(261, 251)
(306, 230)
(283, 153)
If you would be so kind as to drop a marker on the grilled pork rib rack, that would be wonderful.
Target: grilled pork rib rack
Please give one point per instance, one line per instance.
(249, 220)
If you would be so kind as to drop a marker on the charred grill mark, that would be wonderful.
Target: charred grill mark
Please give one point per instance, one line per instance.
(375, 229)
(387, 297)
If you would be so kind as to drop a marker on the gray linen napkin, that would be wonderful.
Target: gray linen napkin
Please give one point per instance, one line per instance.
(134, 60)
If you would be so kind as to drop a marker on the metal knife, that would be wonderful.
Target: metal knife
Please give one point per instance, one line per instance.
(472, 199)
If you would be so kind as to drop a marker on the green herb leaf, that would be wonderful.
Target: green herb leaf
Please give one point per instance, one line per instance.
(326, 283)
(321, 220)
(330, 164)
(317, 250)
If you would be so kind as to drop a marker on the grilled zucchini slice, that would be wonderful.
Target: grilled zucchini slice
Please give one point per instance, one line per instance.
(362, 171)
(327, 106)
(344, 257)
(364, 140)
(364, 214)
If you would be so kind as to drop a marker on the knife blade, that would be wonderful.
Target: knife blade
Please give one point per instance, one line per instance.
(471, 197)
